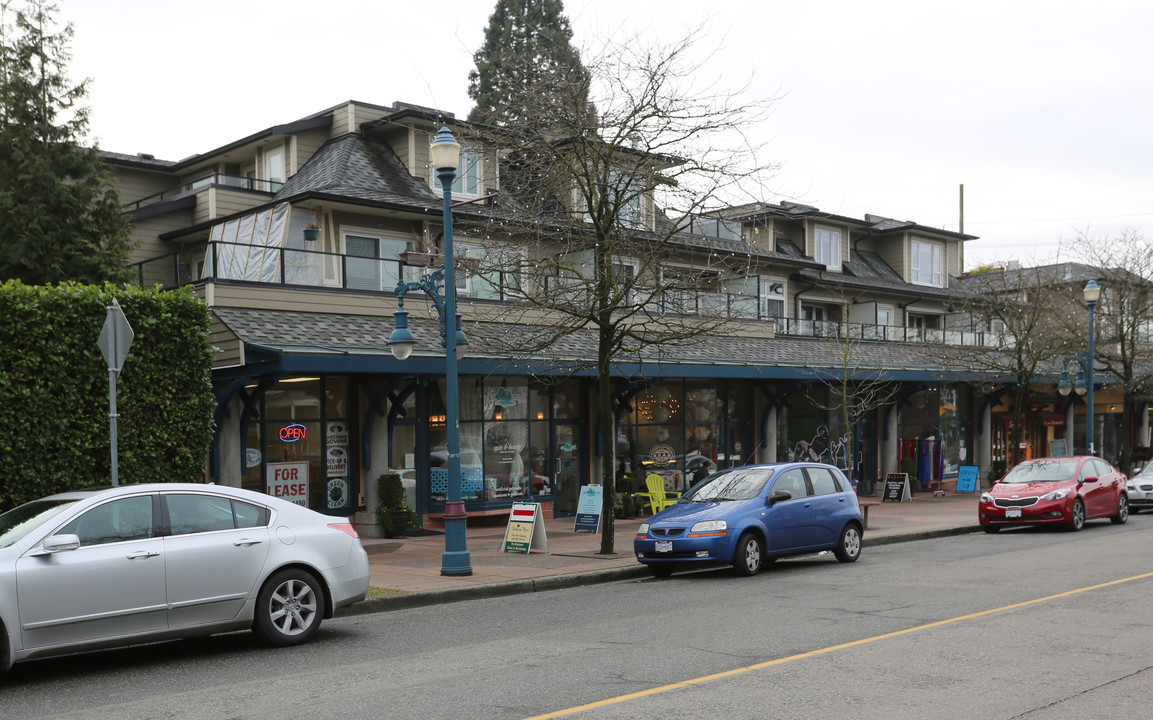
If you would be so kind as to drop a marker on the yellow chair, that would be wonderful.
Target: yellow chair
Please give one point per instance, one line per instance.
(657, 497)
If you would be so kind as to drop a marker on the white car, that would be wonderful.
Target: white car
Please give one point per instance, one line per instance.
(135, 563)
(1140, 489)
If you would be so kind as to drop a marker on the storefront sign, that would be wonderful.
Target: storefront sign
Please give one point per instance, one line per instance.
(662, 455)
(251, 457)
(967, 479)
(337, 434)
(288, 481)
(525, 531)
(337, 495)
(337, 462)
(292, 433)
(897, 488)
(588, 515)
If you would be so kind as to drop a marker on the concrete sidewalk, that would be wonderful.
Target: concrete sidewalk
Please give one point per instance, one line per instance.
(410, 567)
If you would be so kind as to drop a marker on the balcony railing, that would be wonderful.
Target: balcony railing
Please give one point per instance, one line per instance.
(887, 333)
(268, 187)
(313, 269)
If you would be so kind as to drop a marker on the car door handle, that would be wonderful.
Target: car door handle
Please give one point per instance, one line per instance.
(246, 541)
(143, 554)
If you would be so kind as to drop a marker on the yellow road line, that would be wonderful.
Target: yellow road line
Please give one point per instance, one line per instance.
(812, 653)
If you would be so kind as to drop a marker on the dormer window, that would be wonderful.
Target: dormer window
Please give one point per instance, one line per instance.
(827, 247)
(928, 263)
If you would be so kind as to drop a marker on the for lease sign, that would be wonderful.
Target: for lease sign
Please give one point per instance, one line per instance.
(288, 481)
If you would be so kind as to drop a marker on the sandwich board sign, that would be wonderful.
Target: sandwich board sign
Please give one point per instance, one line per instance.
(588, 515)
(525, 531)
(897, 488)
(967, 479)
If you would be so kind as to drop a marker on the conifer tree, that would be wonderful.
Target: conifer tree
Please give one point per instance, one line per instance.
(60, 217)
(527, 57)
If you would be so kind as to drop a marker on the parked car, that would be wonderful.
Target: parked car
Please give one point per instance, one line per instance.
(136, 563)
(749, 516)
(1055, 491)
(1140, 489)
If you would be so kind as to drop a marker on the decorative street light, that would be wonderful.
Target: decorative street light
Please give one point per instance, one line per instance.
(440, 286)
(1092, 295)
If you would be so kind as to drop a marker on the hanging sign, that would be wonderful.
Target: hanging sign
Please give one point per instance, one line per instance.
(897, 488)
(967, 479)
(589, 506)
(525, 531)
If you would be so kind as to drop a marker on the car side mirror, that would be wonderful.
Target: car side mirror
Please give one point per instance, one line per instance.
(60, 543)
(779, 495)
(1091, 478)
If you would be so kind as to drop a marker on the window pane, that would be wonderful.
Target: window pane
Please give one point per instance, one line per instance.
(199, 513)
(126, 519)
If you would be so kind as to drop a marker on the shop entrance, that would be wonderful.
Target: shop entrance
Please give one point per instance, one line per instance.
(566, 466)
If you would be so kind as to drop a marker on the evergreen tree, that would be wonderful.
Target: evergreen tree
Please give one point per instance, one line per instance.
(60, 217)
(527, 57)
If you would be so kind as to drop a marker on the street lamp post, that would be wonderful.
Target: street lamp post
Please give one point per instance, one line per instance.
(440, 286)
(1092, 295)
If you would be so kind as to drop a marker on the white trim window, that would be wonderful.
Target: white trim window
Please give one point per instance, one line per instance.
(467, 183)
(772, 299)
(827, 247)
(928, 266)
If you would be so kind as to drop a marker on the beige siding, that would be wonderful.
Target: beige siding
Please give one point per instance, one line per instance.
(135, 185)
(892, 251)
(274, 297)
(146, 234)
(216, 202)
(229, 349)
(307, 143)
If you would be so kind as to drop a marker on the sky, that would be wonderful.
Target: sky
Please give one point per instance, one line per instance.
(1042, 111)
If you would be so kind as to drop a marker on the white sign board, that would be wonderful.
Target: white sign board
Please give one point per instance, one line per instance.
(288, 481)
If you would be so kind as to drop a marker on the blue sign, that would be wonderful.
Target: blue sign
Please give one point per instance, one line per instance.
(588, 516)
(967, 478)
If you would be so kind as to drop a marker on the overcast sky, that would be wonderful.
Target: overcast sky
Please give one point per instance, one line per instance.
(1042, 110)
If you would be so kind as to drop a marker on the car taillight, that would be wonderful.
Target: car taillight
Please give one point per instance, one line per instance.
(344, 528)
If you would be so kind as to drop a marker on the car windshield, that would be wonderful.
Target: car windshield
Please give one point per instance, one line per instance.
(1045, 471)
(735, 484)
(18, 522)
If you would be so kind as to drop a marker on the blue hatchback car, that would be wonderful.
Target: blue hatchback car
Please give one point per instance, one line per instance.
(749, 516)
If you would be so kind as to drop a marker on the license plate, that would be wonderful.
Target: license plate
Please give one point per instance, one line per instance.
(1012, 512)
(663, 546)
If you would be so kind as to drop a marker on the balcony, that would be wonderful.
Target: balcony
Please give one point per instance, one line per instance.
(212, 180)
(287, 268)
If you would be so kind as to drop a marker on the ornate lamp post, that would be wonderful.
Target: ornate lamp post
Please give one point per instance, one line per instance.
(1092, 295)
(441, 288)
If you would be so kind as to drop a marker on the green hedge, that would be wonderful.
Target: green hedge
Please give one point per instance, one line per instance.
(54, 389)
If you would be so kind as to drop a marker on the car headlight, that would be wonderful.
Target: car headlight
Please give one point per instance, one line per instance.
(1055, 495)
(643, 529)
(709, 526)
(986, 497)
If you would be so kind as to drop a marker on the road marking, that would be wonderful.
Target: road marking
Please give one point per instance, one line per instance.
(812, 653)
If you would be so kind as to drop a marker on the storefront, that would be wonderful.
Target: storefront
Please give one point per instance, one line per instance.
(684, 430)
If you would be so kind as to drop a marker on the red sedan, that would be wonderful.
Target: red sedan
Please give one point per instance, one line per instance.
(1055, 491)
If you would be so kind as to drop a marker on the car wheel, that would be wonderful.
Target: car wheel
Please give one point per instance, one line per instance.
(849, 546)
(991, 529)
(1077, 521)
(662, 571)
(1122, 511)
(288, 609)
(749, 556)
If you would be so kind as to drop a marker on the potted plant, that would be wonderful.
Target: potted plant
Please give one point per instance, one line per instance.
(311, 232)
(395, 514)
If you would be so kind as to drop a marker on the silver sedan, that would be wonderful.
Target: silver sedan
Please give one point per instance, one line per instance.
(93, 569)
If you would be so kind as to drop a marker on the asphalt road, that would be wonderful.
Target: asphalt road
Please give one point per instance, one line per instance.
(1034, 623)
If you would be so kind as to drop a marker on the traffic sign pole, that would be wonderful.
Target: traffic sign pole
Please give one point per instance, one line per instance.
(115, 338)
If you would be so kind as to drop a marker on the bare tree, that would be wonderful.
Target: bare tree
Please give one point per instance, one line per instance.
(602, 228)
(1023, 313)
(1123, 267)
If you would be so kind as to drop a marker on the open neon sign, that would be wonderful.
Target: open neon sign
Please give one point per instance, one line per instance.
(292, 433)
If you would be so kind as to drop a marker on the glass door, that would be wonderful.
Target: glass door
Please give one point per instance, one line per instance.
(566, 466)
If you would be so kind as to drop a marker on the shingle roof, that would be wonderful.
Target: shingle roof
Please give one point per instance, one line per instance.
(296, 332)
